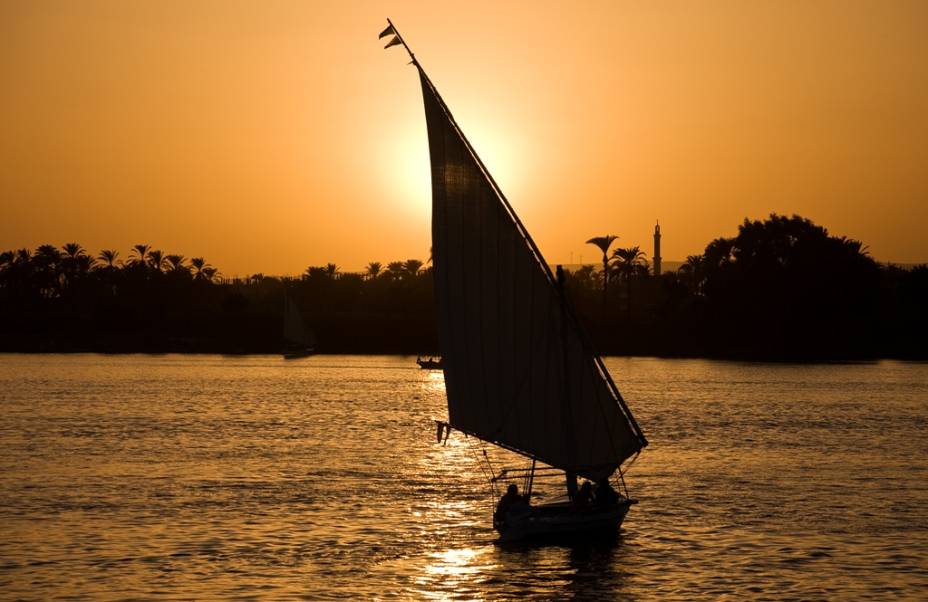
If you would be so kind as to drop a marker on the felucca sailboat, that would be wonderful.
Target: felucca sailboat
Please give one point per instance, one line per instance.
(299, 341)
(520, 373)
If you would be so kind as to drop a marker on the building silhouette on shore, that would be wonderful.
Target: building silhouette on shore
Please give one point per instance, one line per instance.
(657, 249)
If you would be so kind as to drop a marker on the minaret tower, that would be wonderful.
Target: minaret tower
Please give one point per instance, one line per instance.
(657, 249)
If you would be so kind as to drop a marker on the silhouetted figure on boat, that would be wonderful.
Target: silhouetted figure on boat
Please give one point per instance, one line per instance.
(584, 497)
(510, 503)
(572, 487)
(604, 494)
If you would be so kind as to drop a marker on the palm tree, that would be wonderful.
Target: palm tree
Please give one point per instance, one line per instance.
(373, 270)
(209, 273)
(200, 266)
(48, 256)
(108, 257)
(84, 264)
(692, 268)
(331, 270)
(315, 273)
(693, 262)
(412, 267)
(175, 264)
(73, 250)
(156, 260)
(583, 276)
(23, 259)
(20, 269)
(76, 262)
(603, 242)
(141, 255)
(854, 246)
(627, 263)
(48, 269)
(24, 267)
(395, 270)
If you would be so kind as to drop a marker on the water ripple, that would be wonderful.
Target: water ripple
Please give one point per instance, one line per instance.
(178, 477)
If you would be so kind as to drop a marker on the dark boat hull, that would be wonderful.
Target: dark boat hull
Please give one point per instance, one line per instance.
(559, 520)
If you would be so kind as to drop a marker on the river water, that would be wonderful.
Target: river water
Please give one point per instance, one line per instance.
(198, 477)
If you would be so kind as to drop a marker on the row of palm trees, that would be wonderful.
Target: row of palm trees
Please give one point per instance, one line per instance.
(57, 268)
(72, 261)
(375, 270)
(625, 264)
(144, 256)
(394, 270)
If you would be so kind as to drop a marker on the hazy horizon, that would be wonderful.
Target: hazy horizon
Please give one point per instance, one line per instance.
(270, 138)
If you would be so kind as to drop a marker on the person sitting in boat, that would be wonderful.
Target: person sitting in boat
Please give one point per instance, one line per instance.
(585, 496)
(605, 495)
(510, 503)
(572, 487)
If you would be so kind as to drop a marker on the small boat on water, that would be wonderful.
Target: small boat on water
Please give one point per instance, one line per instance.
(429, 363)
(560, 518)
(299, 340)
(520, 372)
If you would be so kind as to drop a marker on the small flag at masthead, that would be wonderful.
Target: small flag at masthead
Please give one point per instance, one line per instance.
(387, 32)
(396, 40)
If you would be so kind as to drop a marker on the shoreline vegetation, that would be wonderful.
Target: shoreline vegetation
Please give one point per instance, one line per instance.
(783, 289)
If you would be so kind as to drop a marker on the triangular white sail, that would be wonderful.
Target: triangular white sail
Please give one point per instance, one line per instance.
(518, 370)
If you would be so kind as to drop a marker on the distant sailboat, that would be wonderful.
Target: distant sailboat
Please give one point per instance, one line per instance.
(299, 341)
(520, 373)
(429, 363)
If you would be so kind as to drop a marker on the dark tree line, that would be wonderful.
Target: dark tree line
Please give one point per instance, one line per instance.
(67, 300)
(783, 288)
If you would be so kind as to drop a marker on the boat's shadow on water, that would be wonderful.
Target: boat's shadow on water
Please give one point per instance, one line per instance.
(586, 567)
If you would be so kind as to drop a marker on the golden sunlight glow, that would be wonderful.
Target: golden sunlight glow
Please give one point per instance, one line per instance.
(407, 176)
(270, 138)
(453, 562)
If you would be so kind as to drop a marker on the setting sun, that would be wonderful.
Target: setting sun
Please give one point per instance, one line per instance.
(289, 132)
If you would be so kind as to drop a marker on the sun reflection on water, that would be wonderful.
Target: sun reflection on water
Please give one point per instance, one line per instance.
(434, 382)
(455, 572)
(453, 562)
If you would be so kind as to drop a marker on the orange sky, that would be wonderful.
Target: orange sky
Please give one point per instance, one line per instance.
(269, 136)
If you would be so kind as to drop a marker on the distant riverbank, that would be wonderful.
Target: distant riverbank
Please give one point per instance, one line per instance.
(191, 347)
(783, 289)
